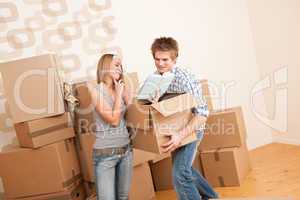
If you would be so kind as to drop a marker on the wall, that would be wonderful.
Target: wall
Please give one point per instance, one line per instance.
(215, 40)
(215, 43)
(275, 27)
(77, 31)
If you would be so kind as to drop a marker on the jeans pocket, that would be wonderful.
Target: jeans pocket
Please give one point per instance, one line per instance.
(106, 164)
(108, 161)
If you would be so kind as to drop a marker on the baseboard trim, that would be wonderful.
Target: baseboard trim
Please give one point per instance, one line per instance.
(282, 139)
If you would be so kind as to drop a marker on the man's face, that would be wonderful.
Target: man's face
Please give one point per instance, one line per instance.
(163, 61)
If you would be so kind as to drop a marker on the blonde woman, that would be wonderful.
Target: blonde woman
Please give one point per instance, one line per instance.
(112, 153)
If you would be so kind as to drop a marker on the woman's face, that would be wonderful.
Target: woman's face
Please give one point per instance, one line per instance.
(116, 68)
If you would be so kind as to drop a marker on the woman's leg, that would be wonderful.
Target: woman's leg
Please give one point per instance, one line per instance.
(123, 176)
(105, 168)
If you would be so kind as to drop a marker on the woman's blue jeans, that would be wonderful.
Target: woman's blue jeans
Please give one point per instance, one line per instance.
(113, 175)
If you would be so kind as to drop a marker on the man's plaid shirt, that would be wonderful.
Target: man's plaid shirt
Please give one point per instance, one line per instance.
(186, 82)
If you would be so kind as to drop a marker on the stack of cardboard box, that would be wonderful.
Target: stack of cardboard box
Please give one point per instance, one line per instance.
(161, 167)
(45, 165)
(142, 185)
(222, 156)
(223, 150)
(257, 198)
(151, 121)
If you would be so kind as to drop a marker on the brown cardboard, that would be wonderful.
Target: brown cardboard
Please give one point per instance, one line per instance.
(160, 157)
(50, 169)
(227, 166)
(140, 157)
(86, 158)
(84, 118)
(141, 185)
(89, 188)
(206, 93)
(152, 121)
(131, 81)
(257, 198)
(225, 128)
(92, 197)
(33, 88)
(83, 114)
(73, 193)
(86, 143)
(162, 172)
(41, 132)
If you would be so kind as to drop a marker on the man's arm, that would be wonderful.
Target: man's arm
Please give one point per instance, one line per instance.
(196, 123)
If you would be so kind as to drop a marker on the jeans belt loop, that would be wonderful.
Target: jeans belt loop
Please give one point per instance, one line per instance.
(111, 151)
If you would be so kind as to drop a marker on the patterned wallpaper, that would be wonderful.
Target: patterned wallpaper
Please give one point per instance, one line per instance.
(77, 31)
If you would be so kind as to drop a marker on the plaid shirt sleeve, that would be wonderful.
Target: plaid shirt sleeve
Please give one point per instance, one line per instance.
(193, 87)
(186, 82)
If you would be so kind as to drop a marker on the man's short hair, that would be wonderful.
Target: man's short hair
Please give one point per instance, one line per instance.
(165, 44)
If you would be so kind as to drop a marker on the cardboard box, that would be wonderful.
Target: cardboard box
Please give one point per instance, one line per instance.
(84, 118)
(170, 114)
(83, 113)
(41, 132)
(206, 93)
(257, 198)
(50, 169)
(86, 143)
(140, 157)
(160, 157)
(89, 188)
(226, 167)
(141, 185)
(33, 88)
(225, 128)
(162, 172)
(74, 193)
(131, 81)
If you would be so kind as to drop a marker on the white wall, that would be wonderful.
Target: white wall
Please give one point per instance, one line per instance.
(29, 28)
(276, 30)
(215, 43)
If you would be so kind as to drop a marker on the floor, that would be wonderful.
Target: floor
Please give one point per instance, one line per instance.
(275, 172)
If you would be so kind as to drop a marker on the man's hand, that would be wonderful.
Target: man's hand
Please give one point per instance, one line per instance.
(173, 143)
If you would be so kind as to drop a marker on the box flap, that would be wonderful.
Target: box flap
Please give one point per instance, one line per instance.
(138, 116)
(174, 105)
(140, 156)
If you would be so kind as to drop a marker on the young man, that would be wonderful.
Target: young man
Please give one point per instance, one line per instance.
(188, 183)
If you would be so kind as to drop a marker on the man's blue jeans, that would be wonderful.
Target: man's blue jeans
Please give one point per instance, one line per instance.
(189, 184)
(113, 176)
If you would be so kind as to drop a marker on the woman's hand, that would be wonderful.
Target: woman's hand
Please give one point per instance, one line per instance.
(119, 87)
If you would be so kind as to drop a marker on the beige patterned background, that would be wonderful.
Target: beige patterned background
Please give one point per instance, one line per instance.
(77, 31)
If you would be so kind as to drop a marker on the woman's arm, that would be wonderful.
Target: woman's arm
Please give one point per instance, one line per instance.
(111, 115)
(127, 95)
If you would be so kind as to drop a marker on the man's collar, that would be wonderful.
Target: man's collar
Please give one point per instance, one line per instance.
(173, 69)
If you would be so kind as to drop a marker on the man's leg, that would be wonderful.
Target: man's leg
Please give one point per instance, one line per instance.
(183, 180)
(206, 191)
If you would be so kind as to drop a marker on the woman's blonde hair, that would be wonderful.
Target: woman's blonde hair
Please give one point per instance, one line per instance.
(103, 66)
